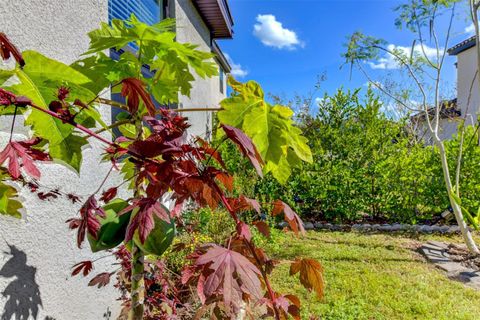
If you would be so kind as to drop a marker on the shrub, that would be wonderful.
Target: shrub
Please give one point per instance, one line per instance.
(365, 165)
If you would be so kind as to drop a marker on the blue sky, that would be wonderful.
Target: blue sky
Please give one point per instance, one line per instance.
(310, 41)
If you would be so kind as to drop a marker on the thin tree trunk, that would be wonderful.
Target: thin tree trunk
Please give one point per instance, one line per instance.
(457, 210)
(137, 290)
(138, 284)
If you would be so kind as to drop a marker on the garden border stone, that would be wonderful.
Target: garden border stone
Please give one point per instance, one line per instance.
(436, 253)
(377, 228)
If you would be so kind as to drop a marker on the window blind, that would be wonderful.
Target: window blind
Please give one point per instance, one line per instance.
(147, 11)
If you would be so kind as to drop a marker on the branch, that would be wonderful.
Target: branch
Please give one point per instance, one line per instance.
(91, 133)
(379, 87)
(417, 81)
(115, 125)
(125, 107)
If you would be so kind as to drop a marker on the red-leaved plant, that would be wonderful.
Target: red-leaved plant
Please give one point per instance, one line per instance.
(157, 161)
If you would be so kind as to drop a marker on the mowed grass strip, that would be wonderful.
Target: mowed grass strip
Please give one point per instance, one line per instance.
(373, 277)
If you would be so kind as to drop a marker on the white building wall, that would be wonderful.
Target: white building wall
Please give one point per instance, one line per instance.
(38, 273)
(448, 128)
(466, 69)
(206, 92)
(44, 248)
(468, 97)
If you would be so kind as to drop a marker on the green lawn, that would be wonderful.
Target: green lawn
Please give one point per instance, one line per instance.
(374, 277)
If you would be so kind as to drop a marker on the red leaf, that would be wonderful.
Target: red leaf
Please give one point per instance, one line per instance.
(291, 217)
(86, 266)
(177, 209)
(226, 180)
(6, 97)
(143, 219)
(7, 48)
(246, 146)
(210, 196)
(208, 150)
(155, 145)
(63, 93)
(311, 274)
(244, 204)
(263, 228)
(100, 280)
(244, 231)
(229, 274)
(16, 151)
(289, 304)
(88, 221)
(134, 89)
(187, 274)
(109, 194)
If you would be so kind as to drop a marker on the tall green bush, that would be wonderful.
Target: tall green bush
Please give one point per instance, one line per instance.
(366, 165)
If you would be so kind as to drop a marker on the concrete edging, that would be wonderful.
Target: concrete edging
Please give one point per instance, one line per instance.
(382, 228)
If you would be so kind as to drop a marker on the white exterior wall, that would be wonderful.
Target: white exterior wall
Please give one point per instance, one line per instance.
(38, 275)
(45, 250)
(206, 92)
(468, 102)
(448, 127)
(466, 69)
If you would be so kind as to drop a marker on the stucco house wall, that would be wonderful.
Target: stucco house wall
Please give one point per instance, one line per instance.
(466, 69)
(468, 95)
(448, 127)
(38, 251)
(205, 93)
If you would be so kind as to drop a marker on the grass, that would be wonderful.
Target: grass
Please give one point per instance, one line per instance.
(373, 277)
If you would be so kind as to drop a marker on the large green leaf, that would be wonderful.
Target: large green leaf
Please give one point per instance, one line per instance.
(69, 151)
(39, 80)
(8, 204)
(157, 48)
(271, 128)
(120, 33)
(113, 227)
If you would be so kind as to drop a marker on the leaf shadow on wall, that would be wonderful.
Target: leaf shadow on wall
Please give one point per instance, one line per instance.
(22, 293)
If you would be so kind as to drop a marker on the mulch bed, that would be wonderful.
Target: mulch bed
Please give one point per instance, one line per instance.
(460, 253)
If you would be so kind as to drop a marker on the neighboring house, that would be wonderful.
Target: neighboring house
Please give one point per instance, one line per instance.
(449, 116)
(38, 251)
(468, 95)
(467, 104)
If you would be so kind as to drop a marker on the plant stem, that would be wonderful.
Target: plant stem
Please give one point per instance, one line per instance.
(124, 107)
(137, 291)
(93, 134)
(271, 293)
(457, 210)
(13, 124)
(138, 284)
(114, 125)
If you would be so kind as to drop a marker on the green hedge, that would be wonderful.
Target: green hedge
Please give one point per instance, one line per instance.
(365, 164)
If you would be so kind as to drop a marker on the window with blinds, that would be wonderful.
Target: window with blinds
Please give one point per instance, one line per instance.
(147, 11)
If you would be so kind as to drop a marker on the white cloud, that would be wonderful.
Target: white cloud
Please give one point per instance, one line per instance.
(237, 70)
(272, 33)
(388, 61)
(470, 29)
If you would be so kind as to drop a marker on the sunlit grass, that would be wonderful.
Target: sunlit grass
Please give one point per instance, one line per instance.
(374, 277)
